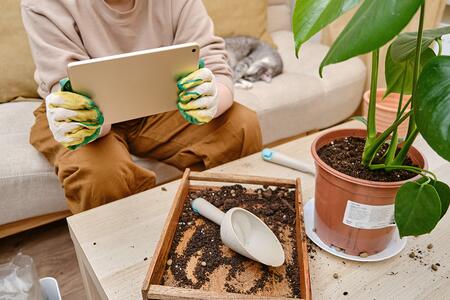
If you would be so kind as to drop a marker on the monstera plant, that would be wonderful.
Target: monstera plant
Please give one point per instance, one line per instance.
(412, 68)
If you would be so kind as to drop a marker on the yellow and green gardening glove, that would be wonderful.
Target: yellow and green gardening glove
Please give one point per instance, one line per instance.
(74, 119)
(198, 97)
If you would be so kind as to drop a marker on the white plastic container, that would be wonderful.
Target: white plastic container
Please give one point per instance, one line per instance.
(50, 288)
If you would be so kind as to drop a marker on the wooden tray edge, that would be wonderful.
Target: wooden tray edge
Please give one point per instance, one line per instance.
(173, 293)
(156, 268)
(302, 249)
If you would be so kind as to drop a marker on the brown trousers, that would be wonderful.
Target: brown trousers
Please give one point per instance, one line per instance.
(102, 171)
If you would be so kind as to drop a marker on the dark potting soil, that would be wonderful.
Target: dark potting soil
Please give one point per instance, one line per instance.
(199, 260)
(344, 155)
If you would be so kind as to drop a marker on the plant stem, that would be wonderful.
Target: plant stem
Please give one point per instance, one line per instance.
(439, 42)
(371, 123)
(390, 154)
(412, 122)
(407, 168)
(401, 156)
(406, 106)
(371, 151)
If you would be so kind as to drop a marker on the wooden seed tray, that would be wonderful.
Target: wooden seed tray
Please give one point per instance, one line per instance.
(154, 288)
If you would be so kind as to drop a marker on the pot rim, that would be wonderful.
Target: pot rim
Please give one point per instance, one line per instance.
(381, 107)
(363, 182)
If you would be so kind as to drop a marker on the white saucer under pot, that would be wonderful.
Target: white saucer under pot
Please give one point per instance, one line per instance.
(394, 247)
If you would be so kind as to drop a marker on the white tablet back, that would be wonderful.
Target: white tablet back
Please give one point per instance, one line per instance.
(137, 84)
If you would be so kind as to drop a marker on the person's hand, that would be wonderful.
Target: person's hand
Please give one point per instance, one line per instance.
(198, 97)
(74, 119)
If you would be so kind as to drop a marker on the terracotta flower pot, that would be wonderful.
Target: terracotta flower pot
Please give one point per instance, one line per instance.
(333, 192)
(386, 110)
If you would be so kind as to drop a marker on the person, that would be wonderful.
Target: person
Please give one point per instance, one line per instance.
(92, 159)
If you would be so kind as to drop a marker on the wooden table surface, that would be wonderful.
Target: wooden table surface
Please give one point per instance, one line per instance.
(115, 243)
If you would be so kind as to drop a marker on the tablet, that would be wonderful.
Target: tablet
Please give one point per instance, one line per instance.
(134, 85)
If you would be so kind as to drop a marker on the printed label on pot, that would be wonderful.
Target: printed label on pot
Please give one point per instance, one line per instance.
(364, 216)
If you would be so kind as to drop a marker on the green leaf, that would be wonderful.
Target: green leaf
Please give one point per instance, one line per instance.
(444, 194)
(443, 191)
(404, 46)
(417, 209)
(360, 119)
(432, 105)
(375, 23)
(310, 16)
(395, 71)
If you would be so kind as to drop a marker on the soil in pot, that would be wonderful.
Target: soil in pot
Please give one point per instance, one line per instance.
(344, 155)
(199, 260)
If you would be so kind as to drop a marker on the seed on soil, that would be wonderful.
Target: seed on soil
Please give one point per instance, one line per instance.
(430, 246)
(363, 254)
(203, 264)
(336, 276)
(412, 255)
(434, 267)
(169, 262)
(267, 193)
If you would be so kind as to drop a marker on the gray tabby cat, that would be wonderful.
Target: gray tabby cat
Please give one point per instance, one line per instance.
(252, 60)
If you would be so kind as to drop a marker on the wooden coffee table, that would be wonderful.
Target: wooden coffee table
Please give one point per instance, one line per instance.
(114, 243)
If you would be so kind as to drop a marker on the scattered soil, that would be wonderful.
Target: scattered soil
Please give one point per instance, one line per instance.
(344, 155)
(311, 248)
(392, 273)
(424, 258)
(199, 260)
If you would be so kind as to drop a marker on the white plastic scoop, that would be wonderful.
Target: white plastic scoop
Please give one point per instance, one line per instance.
(243, 232)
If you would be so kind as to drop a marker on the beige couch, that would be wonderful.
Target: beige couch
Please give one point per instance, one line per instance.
(293, 103)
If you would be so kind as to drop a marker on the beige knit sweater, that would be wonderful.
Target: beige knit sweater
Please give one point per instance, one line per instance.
(63, 31)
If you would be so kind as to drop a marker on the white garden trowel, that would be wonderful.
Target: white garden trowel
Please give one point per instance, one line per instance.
(244, 233)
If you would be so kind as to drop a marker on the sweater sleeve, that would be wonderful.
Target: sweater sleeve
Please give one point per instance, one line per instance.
(54, 43)
(191, 23)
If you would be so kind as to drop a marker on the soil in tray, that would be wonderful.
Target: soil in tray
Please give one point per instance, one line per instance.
(199, 260)
(344, 155)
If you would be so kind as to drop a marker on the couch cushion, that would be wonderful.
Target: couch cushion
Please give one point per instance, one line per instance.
(28, 184)
(16, 64)
(343, 83)
(279, 15)
(299, 100)
(283, 105)
(249, 19)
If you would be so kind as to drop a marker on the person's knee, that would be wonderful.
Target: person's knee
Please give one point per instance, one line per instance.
(246, 123)
(87, 185)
